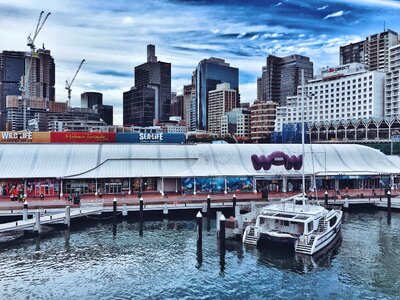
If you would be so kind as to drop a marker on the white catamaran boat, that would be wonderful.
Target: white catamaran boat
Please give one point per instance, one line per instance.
(305, 226)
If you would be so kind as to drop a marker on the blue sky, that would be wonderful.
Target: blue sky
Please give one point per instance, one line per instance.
(112, 36)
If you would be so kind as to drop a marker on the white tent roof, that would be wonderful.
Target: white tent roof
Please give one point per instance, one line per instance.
(167, 160)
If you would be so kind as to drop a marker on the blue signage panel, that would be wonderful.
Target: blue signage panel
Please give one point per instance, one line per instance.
(154, 137)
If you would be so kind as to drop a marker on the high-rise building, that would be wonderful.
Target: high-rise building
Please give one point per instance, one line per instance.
(220, 101)
(262, 120)
(40, 76)
(90, 99)
(236, 123)
(208, 74)
(158, 75)
(105, 112)
(282, 75)
(377, 49)
(354, 52)
(187, 97)
(347, 92)
(392, 84)
(12, 66)
(259, 88)
(138, 106)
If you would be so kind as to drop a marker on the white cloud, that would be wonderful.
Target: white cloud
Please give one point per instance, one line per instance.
(335, 15)
(278, 4)
(127, 20)
(322, 7)
(374, 3)
(254, 37)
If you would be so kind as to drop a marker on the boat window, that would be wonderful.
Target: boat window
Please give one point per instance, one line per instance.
(310, 226)
(286, 223)
(332, 221)
(262, 221)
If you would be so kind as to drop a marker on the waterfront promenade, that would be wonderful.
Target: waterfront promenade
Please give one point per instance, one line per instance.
(178, 199)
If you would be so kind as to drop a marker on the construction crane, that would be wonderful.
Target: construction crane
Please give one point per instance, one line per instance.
(69, 84)
(27, 78)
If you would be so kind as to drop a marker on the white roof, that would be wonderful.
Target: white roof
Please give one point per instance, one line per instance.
(173, 160)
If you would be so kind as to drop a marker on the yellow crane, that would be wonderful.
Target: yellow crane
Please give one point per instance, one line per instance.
(69, 84)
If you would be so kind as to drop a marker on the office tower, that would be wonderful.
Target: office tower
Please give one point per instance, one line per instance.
(377, 49)
(392, 83)
(262, 120)
(354, 52)
(158, 75)
(40, 76)
(90, 99)
(207, 75)
(282, 75)
(105, 112)
(138, 106)
(236, 122)
(220, 101)
(259, 88)
(12, 65)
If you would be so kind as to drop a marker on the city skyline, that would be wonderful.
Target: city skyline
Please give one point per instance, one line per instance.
(112, 37)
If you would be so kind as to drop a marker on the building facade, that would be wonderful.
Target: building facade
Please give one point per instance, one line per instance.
(106, 113)
(282, 75)
(220, 101)
(377, 49)
(90, 99)
(353, 52)
(207, 75)
(158, 75)
(139, 106)
(262, 120)
(392, 89)
(12, 68)
(236, 123)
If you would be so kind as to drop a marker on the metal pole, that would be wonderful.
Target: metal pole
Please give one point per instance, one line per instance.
(302, 132)
(208, 206)
(389, 201)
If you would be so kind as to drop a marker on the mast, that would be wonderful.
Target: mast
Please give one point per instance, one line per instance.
(302, 134)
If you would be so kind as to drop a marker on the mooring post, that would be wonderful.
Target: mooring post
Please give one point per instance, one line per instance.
(199, 220)
(165, 211)
(326, 197)
(389, 201)
(208, 206)
(67, 220)
(124, 210)
(25, 211)
(218, 215)
(37, 223)
(234, 201)
(222, 232)
(115, 207)
(141, 209)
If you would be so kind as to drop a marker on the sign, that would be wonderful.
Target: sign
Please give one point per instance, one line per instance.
(16, 137)
(83, 137)
(396, 138)
(155, 137)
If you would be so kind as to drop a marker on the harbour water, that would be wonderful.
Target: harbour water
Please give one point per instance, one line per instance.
(113, 261)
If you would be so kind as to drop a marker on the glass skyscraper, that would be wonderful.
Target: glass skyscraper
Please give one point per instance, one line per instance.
(207, 75)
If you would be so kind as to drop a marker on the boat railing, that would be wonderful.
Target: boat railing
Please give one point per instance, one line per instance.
(292, 198)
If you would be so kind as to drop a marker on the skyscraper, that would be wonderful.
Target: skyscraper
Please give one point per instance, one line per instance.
(138, 106)
(12, 65)
(158, 75)
(90, 99)
(377, 49)
(40, 76)
(354, 52)
(220, 101)
(207, 75)
(282, 75)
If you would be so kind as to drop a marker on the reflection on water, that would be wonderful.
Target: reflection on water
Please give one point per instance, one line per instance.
(162, 259)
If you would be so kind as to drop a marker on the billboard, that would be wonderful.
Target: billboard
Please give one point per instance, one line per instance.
(155, 137)
(24, 137)
(83, 137)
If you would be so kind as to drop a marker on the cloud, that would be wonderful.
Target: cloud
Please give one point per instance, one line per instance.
(322, 7)
(127, 20)
(335, 15)
(254, 37)
(278, 4)
(373, 3)
(114, 73)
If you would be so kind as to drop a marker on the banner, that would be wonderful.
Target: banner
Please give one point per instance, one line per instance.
(83, 137)
(154, 137)
(16, 137)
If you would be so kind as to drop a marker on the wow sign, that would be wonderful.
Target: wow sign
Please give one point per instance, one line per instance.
(277, 158)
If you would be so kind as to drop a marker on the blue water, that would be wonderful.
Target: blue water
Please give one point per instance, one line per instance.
(103, 261)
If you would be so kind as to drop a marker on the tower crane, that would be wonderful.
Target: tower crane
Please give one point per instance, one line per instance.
(26, 80)
(69, 84)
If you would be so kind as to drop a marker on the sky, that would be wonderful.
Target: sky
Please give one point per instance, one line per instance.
(112, 36)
